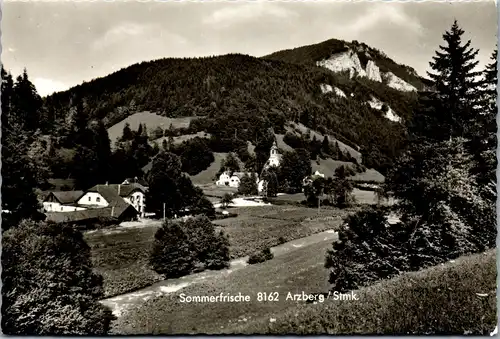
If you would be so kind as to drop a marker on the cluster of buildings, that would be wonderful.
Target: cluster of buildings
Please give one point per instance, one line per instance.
(124, 202)
(233, 179)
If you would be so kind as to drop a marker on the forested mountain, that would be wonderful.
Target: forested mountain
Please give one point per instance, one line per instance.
(245, 96)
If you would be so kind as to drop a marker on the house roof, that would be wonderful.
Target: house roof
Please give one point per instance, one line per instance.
(92, 213)
(65, 197)
(117, 189)
(135, 181)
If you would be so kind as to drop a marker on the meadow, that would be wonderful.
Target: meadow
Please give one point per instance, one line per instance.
(458, 297)
(121, 255)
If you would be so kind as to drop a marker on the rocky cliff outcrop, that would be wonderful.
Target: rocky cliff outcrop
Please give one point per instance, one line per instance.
(398, 83)
(390, 114)
(345, 61)
(328, 88)
(349, 61)
(373, 72)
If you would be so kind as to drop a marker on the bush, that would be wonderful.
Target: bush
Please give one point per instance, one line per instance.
(261, 256)
(183, 247)
(49, 287)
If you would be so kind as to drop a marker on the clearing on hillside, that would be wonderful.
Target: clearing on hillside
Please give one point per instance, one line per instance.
(151, 120)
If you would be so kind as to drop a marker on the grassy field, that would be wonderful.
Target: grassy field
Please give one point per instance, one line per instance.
(207, 176)
(212, 190)
(121, 255)
(294, 126)
(454, 298)
(150, 119)
(256, 228)
(458, 297)
(181, 138)
(300, 270)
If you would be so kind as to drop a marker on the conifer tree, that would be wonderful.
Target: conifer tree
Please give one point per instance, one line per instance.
(127, 133)
(26, 103)
(456, 95)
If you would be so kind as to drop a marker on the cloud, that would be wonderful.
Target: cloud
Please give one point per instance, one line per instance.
(46, 86)
(126, 32)
(383, 14)
(238, 13)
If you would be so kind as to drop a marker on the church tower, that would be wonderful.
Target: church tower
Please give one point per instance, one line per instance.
(274, 156)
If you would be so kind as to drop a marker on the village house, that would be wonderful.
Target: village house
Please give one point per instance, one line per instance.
(121, 201)
(233, 179)
(64, 201)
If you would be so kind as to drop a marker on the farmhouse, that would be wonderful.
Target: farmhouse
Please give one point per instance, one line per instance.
(62, 201)
(122, 201)
(110, 195)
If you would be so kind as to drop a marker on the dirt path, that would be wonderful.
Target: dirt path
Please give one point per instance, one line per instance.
(122, 302)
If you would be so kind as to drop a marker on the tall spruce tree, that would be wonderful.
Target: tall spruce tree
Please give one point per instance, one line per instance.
(456, 96)
(26, 103)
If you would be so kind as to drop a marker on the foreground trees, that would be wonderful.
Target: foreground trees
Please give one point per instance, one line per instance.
(172, 189)
(181, 247)
(48, 284)
(444, 183)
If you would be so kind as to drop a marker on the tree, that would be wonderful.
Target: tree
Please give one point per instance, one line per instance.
(162, 183)
(18, 178)
(49, 287)
(169, 186)
(270, 177)
(453, 109)
(127, 133)
(294, 167)
(226, 200)
(248, 185)
(183, 246)
(26, 103)
(195, 155)
(172, 253)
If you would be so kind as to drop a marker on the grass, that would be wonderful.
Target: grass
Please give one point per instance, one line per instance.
(151, 120)
(212, 190)
(121, 257)
(256, 228)
(300, 270)
(181, 138)
(303, 129)
(206, 177)
(454, 298)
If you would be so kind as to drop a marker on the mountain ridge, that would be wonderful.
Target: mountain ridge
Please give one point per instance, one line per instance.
(249, 94)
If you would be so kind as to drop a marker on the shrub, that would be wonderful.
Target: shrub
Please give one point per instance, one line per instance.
(49, 287)
(261, 256)
(172, 253)
(185, 246)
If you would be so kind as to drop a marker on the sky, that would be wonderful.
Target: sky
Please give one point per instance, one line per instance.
(62, 44)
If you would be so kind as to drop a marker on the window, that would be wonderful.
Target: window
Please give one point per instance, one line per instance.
(132, 199)
(90, 198)
(98, 199)
(61, 209)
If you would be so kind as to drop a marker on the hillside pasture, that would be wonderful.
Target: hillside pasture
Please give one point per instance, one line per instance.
(121, 254)
(151, 120)
(455, 298)
(299, 127)
(181, 138)
(207, 176)
(299, 270)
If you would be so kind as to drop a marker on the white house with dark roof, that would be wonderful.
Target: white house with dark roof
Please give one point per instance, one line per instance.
(64, 201)
(233, 179)
(109, 195)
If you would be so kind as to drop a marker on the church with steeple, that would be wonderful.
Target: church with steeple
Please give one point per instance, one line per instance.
(274, 157)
